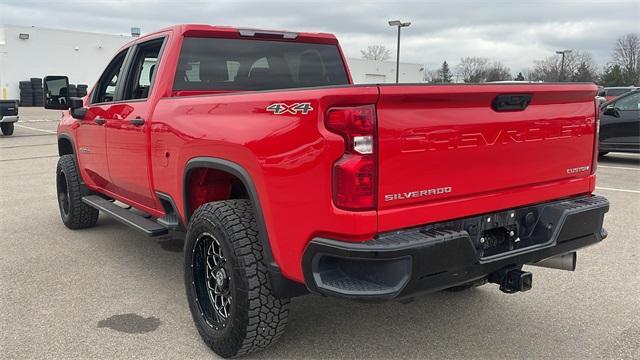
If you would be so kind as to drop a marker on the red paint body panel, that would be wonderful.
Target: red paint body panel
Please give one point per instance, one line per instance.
(449, 137)
(427, 137)
(289, 158)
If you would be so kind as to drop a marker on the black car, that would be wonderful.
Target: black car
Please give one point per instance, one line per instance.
(620, 124)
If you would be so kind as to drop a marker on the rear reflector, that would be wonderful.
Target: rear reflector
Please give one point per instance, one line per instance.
(354, 182)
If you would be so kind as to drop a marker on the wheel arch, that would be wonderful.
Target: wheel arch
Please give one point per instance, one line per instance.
(65, 145)
(241, 174)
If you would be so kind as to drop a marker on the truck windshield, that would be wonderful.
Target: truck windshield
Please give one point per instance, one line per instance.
(210, 64)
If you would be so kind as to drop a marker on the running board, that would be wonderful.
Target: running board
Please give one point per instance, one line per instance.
(147, 226)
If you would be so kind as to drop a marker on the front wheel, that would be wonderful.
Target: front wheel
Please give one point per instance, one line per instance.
(7, 128)
(227, 282)
(74, 213)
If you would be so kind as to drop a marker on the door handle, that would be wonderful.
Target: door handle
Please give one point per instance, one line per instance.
(100, 120)
(137, 121)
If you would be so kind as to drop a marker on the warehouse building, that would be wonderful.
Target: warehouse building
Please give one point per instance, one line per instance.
(27, 52)
(33, 52)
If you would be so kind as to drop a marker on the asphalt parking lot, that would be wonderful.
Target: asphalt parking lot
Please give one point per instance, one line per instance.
(110, 292)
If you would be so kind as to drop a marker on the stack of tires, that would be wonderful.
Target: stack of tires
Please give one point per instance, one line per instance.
(82, 90)
(26, 93)
(73, 90)
(31, 92)
(38, 92)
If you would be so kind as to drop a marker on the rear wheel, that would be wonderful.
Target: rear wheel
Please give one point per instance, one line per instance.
(227, 282)
(7, 128)
(74, 213)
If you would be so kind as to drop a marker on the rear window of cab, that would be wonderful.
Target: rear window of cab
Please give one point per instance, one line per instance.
(213, 64)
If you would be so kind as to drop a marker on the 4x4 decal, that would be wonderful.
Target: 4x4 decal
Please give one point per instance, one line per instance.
(282, 108)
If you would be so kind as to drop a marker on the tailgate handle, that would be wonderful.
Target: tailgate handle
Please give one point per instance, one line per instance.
(511, 102)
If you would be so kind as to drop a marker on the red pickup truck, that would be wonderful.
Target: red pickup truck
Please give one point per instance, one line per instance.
(285, 178)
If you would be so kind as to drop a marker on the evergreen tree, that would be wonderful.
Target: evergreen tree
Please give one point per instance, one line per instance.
(613, 75)
(445, 73)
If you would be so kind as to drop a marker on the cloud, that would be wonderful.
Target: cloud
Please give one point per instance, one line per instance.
(514, 32)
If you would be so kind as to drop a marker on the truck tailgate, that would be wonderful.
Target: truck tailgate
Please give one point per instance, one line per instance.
(446, 152)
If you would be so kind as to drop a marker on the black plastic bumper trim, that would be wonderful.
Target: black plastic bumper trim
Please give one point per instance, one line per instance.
(445, 255)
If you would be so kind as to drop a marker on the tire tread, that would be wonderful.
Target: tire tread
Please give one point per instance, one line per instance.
(81, 215)
(267, 315)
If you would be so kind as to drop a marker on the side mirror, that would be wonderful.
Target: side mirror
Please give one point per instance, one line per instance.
(78, 111)
(56, 92)
(611, 110)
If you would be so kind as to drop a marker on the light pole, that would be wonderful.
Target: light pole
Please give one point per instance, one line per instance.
(562, 52)
(399, 24)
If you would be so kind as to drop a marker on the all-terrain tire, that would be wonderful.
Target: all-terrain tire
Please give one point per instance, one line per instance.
(256, 318)
(74, 213)
(7, 128)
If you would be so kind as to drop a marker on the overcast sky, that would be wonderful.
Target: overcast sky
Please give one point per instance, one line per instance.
(514, 32)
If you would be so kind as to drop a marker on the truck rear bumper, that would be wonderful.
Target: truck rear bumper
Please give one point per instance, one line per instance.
(438, 256)
(9, 118)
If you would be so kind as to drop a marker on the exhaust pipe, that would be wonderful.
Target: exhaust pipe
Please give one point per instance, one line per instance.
(562, 262)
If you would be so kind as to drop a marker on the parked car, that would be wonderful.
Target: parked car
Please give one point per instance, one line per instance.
(8, 116)
(600, 98)
(620, 124)
(284, 178)
(610, 93)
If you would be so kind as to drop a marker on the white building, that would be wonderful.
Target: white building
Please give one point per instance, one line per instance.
(27, 52)
(379, 72)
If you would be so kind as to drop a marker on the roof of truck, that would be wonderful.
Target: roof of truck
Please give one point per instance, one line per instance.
(203, 30)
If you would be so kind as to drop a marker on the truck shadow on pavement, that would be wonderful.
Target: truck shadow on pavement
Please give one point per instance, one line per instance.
(615, 159)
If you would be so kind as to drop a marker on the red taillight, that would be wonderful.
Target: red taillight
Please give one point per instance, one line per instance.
(354, 174)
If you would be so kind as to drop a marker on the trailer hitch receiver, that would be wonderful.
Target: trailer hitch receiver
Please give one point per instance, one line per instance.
(512, 280)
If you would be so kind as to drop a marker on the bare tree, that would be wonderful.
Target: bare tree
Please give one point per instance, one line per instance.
(626, 53)
(584, 73)
(432, 76)
(497, 71)
(376, 52)
(472, 69)
(479, 69)
(548, 69)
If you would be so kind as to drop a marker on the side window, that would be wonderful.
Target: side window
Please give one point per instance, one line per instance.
(143, 69)
(631, 102)
(106, 88)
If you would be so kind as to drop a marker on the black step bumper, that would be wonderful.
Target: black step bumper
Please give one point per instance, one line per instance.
(438, 256)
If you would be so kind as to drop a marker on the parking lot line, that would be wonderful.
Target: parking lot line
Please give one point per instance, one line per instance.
(618, 167)
(37, 121)
(620, 190)
(32, 128)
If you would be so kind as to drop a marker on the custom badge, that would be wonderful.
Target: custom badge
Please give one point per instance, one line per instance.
(295, 108)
